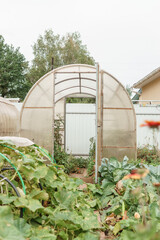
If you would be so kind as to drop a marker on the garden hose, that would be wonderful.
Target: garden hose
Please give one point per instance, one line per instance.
(15, 189)
(24, 189)
(13, 149)
(11, 168)
(7, 168)
(50, 157)
(42, 150)
(40, 185)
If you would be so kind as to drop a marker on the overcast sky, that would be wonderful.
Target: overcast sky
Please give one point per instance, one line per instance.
(122, 35)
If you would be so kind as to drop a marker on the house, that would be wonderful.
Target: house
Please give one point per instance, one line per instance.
(150, 88)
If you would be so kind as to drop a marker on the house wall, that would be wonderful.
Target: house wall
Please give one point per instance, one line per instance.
(151, 91)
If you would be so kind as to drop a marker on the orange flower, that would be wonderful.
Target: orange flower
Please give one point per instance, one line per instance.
(132, 176)
(137, 174)
(156, 184)
(151, 124)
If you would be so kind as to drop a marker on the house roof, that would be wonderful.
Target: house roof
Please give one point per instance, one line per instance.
(147, 79)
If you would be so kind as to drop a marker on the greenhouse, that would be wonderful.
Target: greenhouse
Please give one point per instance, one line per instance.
(9, 118)
(116, 122)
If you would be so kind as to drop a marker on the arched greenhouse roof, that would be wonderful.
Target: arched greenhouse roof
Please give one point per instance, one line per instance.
(116, 116)
(9, 118)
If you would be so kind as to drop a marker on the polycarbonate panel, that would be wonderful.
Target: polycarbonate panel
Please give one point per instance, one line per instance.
(59, 108)
(89, 91)
(71, 80)
(89, 76)
(9, 118)
(118, 118)
(76, 68)
(88, 83)
(122, 119)
(66, 84)
(87, 69)
(66, 93)
(119, 138)
(61, 76)
(41, 95)
(114, 94)
(36, 124)
(119, 153)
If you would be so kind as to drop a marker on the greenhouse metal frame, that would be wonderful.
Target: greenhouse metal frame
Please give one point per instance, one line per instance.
(116, 121)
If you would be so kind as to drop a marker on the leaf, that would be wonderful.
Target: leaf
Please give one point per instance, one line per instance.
(125, 162)
(154, 210)
(6, 199)
(117, 228)
(107, 188)
(104, 201)
(92, 203)
(31, 204)
(94, 188)
(66, 198)
(51, 176)
(90, 221)
(40, 195)
(21, 192)
(40, 172)
(43, 234)
(118, 174)
(6, 213)
(23, 227)
(7, 229)
(113, 163)
(72, 219)
(87, 236)
(63, 235)
(9, 232)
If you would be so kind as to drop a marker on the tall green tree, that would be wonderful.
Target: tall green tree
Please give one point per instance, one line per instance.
(66, 49)
(129, 90)
(73, 51)
(13, 69)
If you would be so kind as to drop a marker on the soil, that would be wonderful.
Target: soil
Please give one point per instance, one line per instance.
(83, 175)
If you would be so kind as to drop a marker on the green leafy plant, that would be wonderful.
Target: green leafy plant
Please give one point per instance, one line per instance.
(130, 198)
(58, 207)
(126, 201)
(91, 158)
(70, 163)
(148, 155)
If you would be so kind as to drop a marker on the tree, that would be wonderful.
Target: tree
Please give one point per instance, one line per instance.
(13, 67)
(67, 49)
(73, 51)
(129, 90)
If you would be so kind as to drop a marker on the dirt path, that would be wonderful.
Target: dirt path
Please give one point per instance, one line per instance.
(83, 175)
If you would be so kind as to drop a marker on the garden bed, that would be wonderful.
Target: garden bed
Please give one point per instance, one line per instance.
(51, 205)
